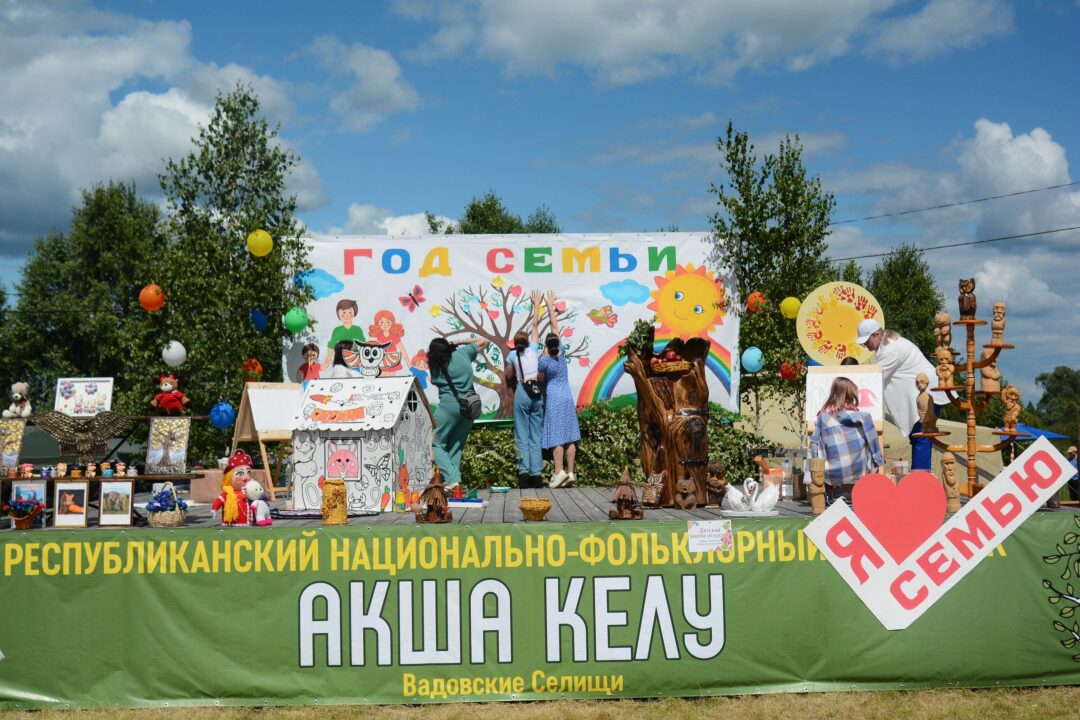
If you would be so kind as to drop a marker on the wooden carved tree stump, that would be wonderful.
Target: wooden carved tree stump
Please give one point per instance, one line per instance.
(673, 412)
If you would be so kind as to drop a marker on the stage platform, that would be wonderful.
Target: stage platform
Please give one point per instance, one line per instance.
(568, 505)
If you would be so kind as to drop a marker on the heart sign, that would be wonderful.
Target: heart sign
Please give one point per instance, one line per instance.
(901, 516)
(896, 554)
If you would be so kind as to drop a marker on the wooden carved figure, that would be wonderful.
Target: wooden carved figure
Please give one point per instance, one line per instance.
(925, 404)
(816, 491)
(625, 499)
(951, 482)
(943, 330)
(716, 483)
(997, 324)
(991, 376)
(967, 299)
(653, 492)
(1011, 397)
(944, 367)
(433, 500)
(685, 493)
(673, 411)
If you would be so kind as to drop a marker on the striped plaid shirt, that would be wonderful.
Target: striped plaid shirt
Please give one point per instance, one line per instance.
(849, 444)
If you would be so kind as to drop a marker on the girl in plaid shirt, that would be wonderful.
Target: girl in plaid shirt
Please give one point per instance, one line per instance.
(845, 437)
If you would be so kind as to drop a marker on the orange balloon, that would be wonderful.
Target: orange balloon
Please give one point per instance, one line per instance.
(756, 302)
(151, 298)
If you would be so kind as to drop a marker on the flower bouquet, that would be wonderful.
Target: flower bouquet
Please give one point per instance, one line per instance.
(23, 512)
(166, 510)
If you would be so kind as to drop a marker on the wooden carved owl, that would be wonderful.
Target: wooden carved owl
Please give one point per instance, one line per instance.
(967, 298)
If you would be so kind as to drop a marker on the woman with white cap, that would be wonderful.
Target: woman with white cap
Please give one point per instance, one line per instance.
(901, 362)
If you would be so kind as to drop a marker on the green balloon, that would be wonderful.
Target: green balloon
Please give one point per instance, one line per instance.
(296, 320)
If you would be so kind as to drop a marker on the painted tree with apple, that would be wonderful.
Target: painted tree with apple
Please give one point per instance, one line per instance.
(497, 312)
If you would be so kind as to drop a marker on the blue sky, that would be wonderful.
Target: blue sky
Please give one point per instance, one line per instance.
(606, 111)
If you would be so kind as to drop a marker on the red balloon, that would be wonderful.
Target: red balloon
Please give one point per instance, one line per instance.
(151, 298)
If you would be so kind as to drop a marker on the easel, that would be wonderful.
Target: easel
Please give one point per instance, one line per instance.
(266, 412)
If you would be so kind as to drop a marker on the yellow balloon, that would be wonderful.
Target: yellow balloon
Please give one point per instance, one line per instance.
(789, 308)
(260, 243)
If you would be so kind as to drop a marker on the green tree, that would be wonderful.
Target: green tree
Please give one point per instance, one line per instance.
(852, 273)
(77, 311)
(770, 232)
(233, 182)
(488, 216)
(909, 297)
(1059, 406)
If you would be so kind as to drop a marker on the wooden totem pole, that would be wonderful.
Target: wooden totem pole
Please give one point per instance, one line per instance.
(673, 411)
(966, 397)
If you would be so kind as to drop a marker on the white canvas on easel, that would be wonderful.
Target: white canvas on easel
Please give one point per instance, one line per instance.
(266, 415)
(867, 378)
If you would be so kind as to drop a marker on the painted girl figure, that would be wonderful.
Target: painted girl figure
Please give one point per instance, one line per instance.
(387, 329)
(420, 368)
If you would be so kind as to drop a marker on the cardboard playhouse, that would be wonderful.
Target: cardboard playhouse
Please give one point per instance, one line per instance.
(374, 433)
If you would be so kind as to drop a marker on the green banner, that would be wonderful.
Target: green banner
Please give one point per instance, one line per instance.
(405, 614)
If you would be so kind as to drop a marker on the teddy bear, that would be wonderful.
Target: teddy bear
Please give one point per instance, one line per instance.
(170, 401)
(20, 401)
(259, 508)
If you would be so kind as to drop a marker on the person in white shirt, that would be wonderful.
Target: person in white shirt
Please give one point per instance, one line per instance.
(901, 362)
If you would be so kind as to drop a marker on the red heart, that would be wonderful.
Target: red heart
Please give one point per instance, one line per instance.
(560, 306)
(901, 516)
(515, 290)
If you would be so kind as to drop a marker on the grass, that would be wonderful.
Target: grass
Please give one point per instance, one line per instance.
(1022, 704)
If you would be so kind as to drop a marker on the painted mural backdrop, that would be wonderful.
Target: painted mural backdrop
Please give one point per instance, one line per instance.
(402, 292)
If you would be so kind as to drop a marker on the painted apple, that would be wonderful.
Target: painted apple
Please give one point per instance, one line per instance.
(583, 361)
(568, 332)
(515, 290)
(493, 314)
(560, 306)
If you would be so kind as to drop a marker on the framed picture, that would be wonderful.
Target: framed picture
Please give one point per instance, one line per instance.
(11, 438)
(69, 504)
(117, 497)
(166, 448)
(83, 397)
(33, 490)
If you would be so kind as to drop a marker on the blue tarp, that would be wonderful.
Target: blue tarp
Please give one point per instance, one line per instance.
(1035, 432)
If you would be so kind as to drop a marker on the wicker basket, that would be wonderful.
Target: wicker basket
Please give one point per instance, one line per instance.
(167, 518)
(534, 508)
(671, 367)
(25, 522)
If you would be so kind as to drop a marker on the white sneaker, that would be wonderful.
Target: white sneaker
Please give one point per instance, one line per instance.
(570, 480)
(558, 479)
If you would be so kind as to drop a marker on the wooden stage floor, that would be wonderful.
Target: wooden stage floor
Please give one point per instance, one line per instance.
(584, 504)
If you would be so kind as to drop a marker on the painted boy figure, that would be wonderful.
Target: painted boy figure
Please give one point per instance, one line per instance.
(232, 502)
(346, 312)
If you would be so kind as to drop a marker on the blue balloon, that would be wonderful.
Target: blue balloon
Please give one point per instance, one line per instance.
(753, 359)
(259, 320)
(222, 415)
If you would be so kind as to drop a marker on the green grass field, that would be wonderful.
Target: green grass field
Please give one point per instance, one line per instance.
(1024, 704)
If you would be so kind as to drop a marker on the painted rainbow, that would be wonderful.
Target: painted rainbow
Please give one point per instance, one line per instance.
(608, 370)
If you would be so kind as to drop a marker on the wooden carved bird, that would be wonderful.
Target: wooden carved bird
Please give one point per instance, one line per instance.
(88, 438)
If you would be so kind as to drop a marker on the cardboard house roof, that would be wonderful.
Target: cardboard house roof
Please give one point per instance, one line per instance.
(357, 404)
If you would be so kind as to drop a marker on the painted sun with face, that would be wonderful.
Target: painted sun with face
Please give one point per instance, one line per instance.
(689, 302)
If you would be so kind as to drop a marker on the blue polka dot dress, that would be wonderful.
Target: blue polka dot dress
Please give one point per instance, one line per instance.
(560, 412)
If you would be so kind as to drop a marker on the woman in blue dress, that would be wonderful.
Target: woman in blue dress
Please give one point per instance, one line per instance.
(561, 431)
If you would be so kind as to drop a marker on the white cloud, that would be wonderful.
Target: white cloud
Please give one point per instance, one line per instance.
(373, 220)
(1036, 276)
(622, 42)
(378, 88)
(940, 26)
(69, 118)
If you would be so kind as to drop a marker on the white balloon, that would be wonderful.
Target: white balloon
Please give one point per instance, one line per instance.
(174, 354)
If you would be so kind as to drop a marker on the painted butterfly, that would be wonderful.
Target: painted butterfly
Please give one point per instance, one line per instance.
(413, 299)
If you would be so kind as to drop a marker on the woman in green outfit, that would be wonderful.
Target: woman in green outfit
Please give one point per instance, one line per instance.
(452, 364)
